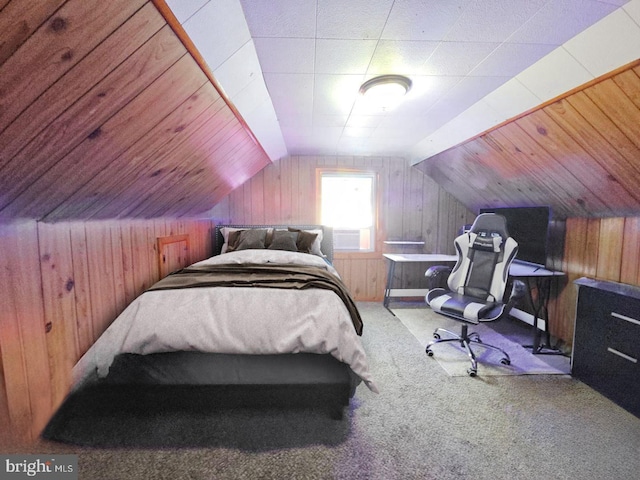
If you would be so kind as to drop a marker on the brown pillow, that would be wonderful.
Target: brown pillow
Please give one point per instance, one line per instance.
(305, 240)
(284, 240)
(253, 238)
(233, 240)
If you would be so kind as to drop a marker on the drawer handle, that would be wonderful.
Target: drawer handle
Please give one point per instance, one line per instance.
(623, 355)
(628, 319)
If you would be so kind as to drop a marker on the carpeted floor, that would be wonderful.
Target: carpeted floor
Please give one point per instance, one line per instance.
(422, 322)
(424, 424)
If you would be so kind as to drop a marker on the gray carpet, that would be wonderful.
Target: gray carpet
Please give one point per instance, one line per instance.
(424, 424)
(422, 322)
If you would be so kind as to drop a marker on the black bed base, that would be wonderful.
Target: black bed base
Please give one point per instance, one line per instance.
(158, 416)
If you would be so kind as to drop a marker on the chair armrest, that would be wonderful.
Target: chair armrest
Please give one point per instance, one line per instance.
(437, 276)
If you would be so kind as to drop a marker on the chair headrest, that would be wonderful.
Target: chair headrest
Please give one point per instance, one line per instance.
(489, 225)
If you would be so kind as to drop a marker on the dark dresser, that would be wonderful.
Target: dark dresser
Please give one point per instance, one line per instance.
(606, 343)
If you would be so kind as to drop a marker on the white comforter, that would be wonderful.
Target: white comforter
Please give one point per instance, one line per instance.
(242, 320)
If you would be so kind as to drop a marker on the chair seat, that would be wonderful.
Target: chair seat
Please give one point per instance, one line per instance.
(463, 307)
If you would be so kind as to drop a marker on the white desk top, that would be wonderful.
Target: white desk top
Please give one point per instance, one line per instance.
(516, 269)
(419, 257)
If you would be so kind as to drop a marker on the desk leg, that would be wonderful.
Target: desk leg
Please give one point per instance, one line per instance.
(539, 306)
(387, 290)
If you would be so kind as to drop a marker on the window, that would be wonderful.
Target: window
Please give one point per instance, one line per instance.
(348, 204)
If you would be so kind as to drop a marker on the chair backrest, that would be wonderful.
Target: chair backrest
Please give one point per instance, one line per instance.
(485, 253)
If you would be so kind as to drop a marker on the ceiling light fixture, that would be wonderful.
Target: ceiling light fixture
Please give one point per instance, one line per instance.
(386, 90)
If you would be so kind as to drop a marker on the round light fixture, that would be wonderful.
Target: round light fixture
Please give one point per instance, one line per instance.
(386, 90)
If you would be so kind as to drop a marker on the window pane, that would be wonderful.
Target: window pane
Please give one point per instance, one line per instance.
(348, 205)
(347, 201)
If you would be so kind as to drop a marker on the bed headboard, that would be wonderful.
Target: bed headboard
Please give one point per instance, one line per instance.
(326, 245)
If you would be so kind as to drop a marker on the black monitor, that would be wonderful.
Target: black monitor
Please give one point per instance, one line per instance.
(529, 226)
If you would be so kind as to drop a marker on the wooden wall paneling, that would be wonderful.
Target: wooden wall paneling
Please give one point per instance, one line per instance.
(106, 194)
(603, 126)
(25, 363)
(128, 265)
(413, 204)
(6, 429)
(630, 270)
(197, 170)
(559, 184)
(615, 104)
(79, 81)
(272, 189)
(56, 47)
(58, 287)
(15, 30)
(206, 187)
(610, 247)
(601, 149)
(92, 122)
(112, 139)
(438, 169)
(101, 276)
(569, 154)
(173, 253)
(154, 179)
(85, 334)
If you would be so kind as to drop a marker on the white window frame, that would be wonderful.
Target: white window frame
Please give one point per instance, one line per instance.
(361, 239)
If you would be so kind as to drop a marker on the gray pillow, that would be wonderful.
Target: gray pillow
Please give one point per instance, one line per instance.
(253, 238)
(284, 240)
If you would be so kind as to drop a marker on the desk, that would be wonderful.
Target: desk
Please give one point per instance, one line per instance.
(538, 278)
(533, 276)
(427, 258)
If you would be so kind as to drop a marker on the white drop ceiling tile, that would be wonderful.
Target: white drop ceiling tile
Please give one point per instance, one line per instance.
(511, 99)
(302, 119)
(633, 9)
(263, 123)
(471, 89)
(400, 57)
(320, 120)
(355, 19)
(227, 19)
(362, 132)
(364, 121)
(183, 9)
(422, 19)
(492, 20)
(425, 91)
(610, 43)
(239, 70)
(290, 93)
(617, 2)
(553, 75)
(457, 58)
(509, 59)
(284, 18)
(286, 55)
(335, 94)
(252, 95)
(343, 56)
(558, 21)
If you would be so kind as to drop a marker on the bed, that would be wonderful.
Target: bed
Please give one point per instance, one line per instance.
(261, 319)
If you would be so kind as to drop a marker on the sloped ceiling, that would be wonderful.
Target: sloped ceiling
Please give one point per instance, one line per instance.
(105, 114)
(579, 154)
(107, 111)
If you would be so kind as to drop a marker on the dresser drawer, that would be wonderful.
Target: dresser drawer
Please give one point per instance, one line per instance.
(606, 349)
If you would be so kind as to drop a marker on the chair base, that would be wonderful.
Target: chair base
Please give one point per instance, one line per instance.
(466, 339)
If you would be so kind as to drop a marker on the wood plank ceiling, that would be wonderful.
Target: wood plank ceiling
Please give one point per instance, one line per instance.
(579, 154)
(105, 114)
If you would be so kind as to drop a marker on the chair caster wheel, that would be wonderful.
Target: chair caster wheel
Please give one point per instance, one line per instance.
(472, 372)
(429, 352)
(436, 336)
(505, 361)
